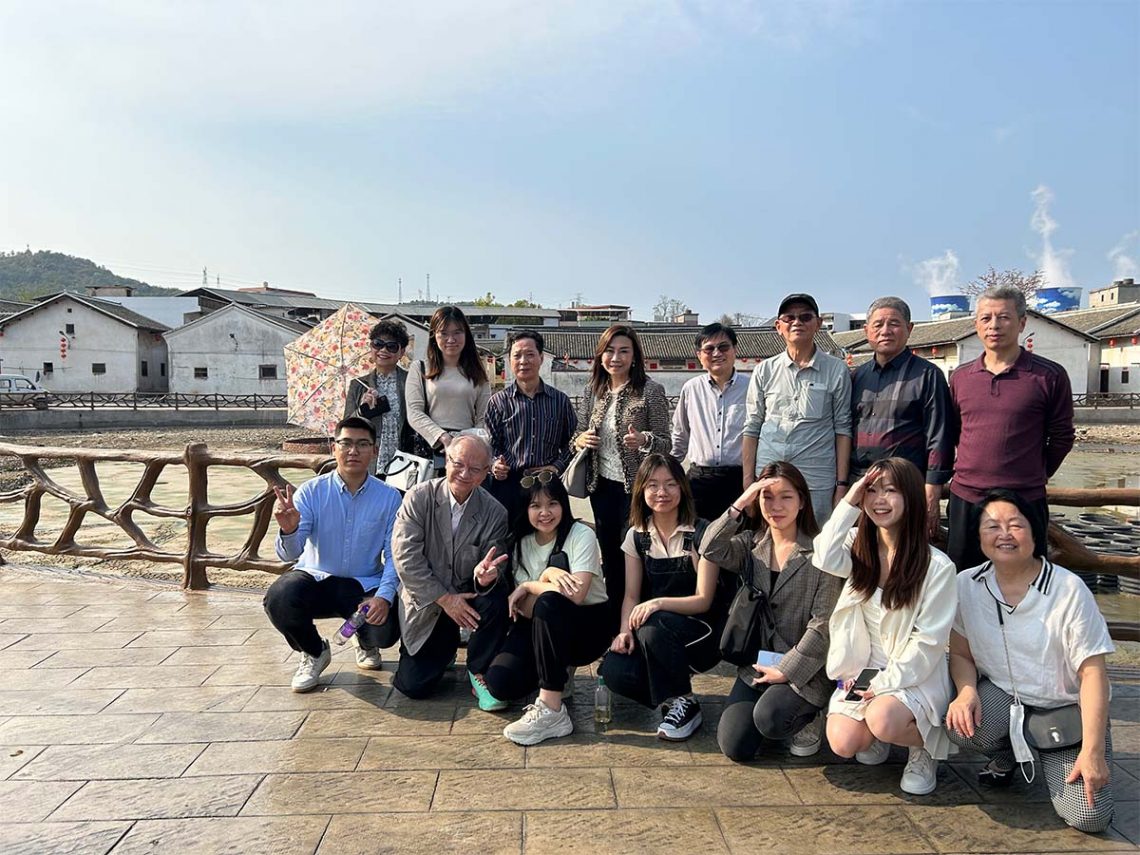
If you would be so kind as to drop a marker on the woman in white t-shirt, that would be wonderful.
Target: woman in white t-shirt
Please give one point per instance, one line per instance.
(893, 617)
(1029, 630)
(558, 606)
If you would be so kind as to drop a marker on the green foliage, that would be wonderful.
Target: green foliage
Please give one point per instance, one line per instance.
(487, 300)
(24, 275)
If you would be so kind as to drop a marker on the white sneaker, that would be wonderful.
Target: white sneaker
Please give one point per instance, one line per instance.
(875, 755)
(920, 776)
(810, 737)
(309, 671)
(539, 723)
(367, 658)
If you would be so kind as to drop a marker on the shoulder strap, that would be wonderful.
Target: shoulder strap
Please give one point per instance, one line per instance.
(641, 541)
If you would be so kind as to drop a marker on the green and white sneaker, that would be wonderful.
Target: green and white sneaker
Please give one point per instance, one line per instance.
(487, 701)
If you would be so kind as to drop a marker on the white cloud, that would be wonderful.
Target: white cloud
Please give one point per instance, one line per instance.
(1052, 262)
(1124, 265)
(938, 275)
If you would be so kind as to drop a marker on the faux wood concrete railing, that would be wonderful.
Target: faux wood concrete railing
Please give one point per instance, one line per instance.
(197, 459)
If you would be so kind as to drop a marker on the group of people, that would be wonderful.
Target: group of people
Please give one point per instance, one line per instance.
(801, 531)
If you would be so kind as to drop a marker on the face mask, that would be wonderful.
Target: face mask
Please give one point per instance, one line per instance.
(1021, 751)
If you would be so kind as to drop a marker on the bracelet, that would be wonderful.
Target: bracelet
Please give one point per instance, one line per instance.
(738, 510)
(842, 483)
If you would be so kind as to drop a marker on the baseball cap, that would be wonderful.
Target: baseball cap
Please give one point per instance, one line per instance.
(807, 299)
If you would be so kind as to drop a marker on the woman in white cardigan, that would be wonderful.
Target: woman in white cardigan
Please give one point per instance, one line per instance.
(894, 615)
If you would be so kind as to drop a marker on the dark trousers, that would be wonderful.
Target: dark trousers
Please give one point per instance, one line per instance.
(538, 650)
(508, 494)
(610, 503)
(962, 542)
(715, 488)
(668, 648)
(296, 599)
(753, 714)
(418, 675)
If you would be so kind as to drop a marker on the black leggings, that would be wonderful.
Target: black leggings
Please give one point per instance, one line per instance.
(610, 504)
(753, 714)
(539, 649)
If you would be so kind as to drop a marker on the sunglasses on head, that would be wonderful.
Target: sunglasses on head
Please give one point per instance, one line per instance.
(544, 477)
(390, 346)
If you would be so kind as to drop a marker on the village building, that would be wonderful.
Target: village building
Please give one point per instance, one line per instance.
(76, 343)
(1117, 328)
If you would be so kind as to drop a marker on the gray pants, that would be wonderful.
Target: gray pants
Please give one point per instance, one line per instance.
(991, 738)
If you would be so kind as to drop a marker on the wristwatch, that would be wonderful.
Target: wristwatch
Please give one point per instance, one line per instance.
(839, 483)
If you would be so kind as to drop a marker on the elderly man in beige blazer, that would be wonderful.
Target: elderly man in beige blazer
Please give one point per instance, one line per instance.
(448, 545)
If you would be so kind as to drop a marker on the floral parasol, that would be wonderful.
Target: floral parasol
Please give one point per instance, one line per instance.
(320, 364)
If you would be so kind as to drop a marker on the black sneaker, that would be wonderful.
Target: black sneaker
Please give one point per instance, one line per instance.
(992, 775)
(681, 721)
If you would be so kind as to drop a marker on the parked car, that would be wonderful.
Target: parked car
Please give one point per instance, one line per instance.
(18, 389)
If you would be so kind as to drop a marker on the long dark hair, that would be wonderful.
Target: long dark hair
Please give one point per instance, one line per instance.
(639, 512)
(805, 519)
(521, 525)
(599, 379)
(469, 362)
(1037, 526)
(912, 557)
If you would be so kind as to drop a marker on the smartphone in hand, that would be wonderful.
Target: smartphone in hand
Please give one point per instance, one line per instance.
(862, 683)
(769, 659)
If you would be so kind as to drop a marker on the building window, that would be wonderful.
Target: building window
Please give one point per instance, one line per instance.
(48, 368)
(267, 372)
(69, 329)
(98, 367)
(201, 373)
(1124, 375)
(162, 369)
(145, 369)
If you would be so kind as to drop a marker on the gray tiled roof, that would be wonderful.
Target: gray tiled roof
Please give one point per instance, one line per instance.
(675, 346)
(106, 307)
(933, 333)
(1097, 321)
(302, 301)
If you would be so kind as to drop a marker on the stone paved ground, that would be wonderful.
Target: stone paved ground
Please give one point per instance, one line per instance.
(136, 718)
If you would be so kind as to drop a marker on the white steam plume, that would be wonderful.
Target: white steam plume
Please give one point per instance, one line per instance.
(1124, 266)
(1053, 263)
(938, 275)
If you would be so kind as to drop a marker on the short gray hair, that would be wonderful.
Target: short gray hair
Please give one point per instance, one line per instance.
(1005, 292)
(475, 440)
(896, 303)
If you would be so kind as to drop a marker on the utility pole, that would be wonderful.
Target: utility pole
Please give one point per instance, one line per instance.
(429, 287)
(399, 289)
(205, 278)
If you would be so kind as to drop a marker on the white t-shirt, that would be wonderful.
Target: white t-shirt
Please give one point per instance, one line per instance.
(1055, 628)
(581, 547)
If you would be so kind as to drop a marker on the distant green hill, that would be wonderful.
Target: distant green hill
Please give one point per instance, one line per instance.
(24, 275)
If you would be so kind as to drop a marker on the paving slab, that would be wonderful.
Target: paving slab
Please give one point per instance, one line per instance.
(812, 830)
(15, 757)
(524, 789)
(222, 726)
(635, 832)
(60, 838)
(32, 801)
(56, 701)
(280, 835)
(342, 792)
(702, 786)
(193, 699)
(106, 762)
(1026, 828)
(440, 752)
(75, 729)
(498, 833)
(144, 676)
(281, 755)
(128, 657)
(158, 799)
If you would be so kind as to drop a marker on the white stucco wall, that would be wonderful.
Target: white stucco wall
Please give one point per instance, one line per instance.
(32, 340)
(233, 364)
(1124, 355)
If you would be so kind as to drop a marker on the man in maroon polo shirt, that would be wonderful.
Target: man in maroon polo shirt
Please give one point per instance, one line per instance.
(1015, 410)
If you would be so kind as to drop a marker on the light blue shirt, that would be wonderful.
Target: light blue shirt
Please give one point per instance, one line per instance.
(342, 534)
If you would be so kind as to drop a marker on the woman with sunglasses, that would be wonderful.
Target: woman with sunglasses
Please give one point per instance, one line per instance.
(671, 617)
(890, 626)
(622, 417)
(448, 393)
(558, 607)
(378, 396)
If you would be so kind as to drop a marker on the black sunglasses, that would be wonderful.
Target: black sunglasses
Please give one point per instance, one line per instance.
(544, 477)
(802, 317)
(723, 347)
(390, 346)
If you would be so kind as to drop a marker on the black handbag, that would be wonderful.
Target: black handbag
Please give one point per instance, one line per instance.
(750, 626)
(1048, 730)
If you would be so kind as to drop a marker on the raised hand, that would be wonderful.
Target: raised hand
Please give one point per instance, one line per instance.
(858, 490)
(284, 511)
(500, 469)
(632, 439)
(487, 570)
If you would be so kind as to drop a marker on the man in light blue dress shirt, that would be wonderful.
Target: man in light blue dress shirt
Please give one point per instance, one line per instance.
(338, 528)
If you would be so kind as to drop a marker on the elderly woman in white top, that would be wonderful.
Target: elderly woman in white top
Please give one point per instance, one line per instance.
(892, 617)
(1029, 633)
(450, 392)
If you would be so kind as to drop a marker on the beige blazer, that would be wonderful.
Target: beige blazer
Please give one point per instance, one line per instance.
(430, 561)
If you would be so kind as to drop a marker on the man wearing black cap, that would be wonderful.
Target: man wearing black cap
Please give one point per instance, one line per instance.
(799, 408)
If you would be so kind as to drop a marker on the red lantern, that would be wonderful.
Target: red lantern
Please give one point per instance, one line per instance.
(1112, 342)
(63, 347)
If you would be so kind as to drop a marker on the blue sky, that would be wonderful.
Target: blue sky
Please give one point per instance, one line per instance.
(722, 153)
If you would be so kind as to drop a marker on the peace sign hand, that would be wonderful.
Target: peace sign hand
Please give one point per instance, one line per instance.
(284, 511)
(487, 570)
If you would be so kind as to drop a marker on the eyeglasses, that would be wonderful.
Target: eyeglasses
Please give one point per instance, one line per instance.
(350, 444)
(802, 317)
(451, 336)
(544, 477)
(390, 346)
(710, 349)
(462, 469)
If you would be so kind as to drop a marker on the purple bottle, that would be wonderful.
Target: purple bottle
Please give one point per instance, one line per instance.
(349, 627)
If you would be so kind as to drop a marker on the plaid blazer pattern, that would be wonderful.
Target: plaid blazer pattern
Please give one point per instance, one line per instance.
(646, 409)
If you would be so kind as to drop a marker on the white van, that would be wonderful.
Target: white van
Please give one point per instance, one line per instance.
(18, 389)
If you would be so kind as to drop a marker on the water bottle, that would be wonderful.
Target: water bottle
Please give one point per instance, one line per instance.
(603, 704)
(349, 627)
